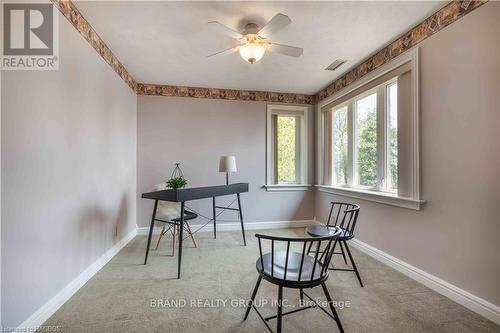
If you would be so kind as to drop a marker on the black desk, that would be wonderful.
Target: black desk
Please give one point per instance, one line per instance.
(186, 194)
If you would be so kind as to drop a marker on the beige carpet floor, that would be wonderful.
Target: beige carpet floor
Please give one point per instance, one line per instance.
(126, 296)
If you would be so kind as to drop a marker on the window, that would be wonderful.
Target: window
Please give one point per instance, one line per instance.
(340, 145)
(286, 147)
(392, 136)
(368, 140)
(364, 162)
(287, 150)
(365, 141)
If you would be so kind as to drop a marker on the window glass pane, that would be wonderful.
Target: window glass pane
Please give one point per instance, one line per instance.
(366, 140)
(392, 136)
(340, 146)
(286, 151)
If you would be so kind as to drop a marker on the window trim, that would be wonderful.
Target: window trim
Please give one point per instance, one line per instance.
(287, 187)
(387, 198)
(301, 113)
(412, 58)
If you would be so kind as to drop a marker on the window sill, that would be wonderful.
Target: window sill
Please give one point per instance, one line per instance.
(287, 187)
(380, 197)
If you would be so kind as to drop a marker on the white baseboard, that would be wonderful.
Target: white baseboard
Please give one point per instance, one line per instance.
(233, 226)
(462, 297)
(48, 309)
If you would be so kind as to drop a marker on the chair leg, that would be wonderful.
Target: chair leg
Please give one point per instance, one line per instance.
(309, 248)
(353, 264)
(252, 299)
(333, 250)
(343, 253)
(159, 238)
(280, 309)
(173, 240)
(301, 296)
(191, 235)
(330, 302)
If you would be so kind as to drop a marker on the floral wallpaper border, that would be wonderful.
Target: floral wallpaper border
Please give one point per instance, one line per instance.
(228, 94)
(445, 16)
(434, 23)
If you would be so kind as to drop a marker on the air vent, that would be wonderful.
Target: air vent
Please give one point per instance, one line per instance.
(336, 64)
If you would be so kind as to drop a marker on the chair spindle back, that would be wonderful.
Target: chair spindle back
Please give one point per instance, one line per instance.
(345, 216)
(288, 259)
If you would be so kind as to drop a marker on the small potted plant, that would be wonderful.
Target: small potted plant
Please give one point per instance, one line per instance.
(177, 182)
(177, 179)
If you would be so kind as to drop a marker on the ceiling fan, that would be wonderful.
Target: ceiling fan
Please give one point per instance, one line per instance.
(254, 42)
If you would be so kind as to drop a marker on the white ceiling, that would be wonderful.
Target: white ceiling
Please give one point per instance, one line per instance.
(165, 42)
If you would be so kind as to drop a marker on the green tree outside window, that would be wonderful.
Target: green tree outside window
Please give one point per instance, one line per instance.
(286, 149)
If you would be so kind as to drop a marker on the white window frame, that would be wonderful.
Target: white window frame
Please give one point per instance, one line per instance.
(349, 143)
(413, 201)
(301, 113)
(353, 136)
(382, 143)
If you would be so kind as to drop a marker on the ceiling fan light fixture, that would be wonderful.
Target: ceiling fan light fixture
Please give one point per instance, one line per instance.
(253, 40)
(252, 48)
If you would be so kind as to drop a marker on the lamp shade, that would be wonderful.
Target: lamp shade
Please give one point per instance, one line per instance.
(227, 164)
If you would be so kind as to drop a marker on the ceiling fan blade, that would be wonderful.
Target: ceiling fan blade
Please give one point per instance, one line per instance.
(222, 29)
(227, 51)
(291, 51)
(278, 22)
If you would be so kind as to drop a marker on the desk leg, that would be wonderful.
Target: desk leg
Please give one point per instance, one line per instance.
(215, 227)
(151, 231)
(241, 219)
(181, 229)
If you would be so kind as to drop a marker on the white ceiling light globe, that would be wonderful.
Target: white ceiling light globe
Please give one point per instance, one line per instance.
(252, 51)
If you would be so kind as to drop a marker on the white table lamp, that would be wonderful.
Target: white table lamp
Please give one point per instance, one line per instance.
(227, 164)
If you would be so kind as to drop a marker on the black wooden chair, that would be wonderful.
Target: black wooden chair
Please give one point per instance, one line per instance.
(291, 269)
(347, 223)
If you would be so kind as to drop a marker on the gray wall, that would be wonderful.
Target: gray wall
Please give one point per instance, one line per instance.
(196, 132)
(456, 236)
(68, 169)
